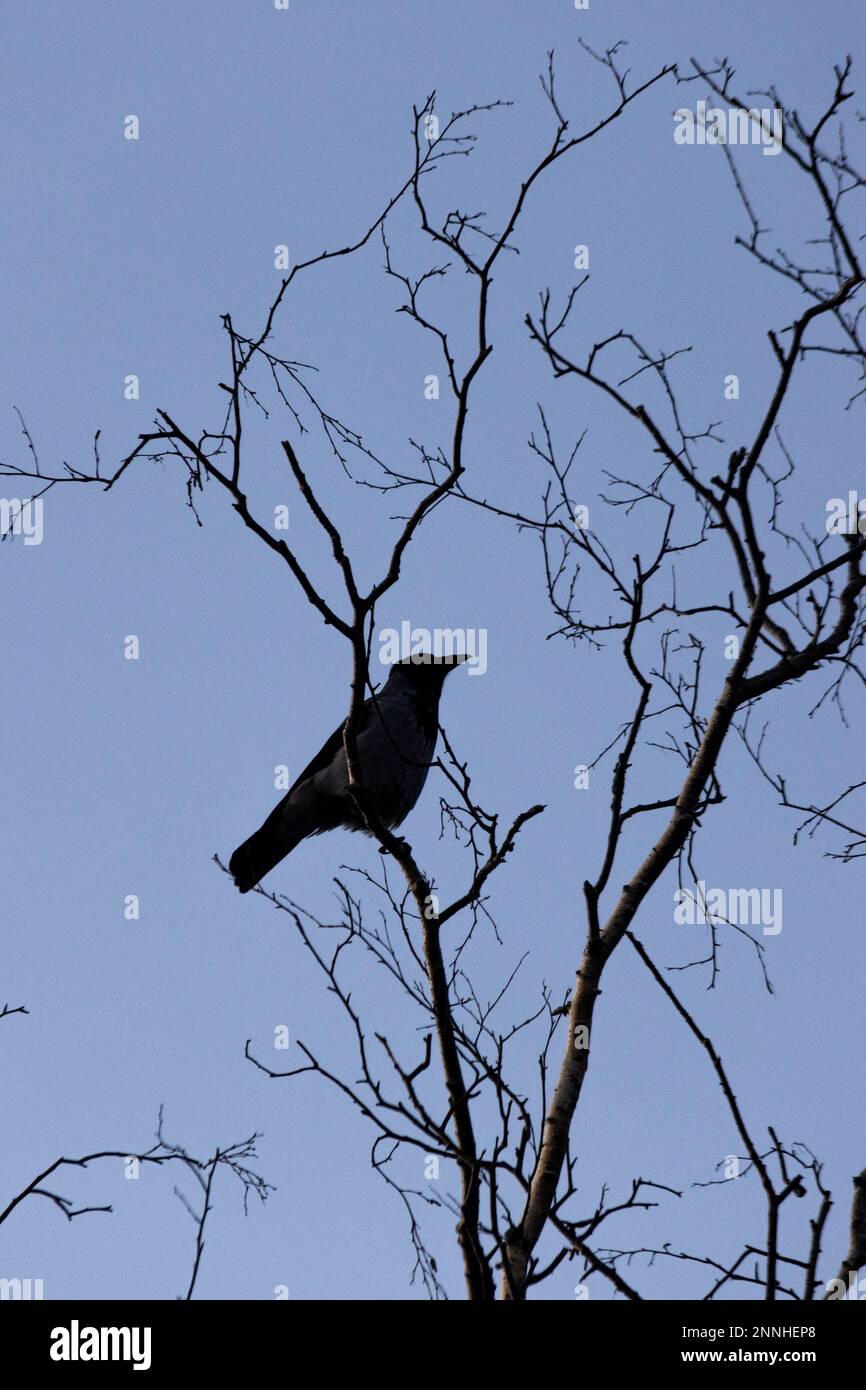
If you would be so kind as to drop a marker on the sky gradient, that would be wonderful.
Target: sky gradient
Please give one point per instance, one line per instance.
(257, 128)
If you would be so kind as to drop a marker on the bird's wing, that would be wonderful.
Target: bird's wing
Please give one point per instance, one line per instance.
(323, 758)
(328, 751)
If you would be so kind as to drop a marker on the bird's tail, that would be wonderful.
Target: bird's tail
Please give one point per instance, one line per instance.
(264, 850)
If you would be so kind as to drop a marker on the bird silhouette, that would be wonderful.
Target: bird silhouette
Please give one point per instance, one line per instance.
(396, 740)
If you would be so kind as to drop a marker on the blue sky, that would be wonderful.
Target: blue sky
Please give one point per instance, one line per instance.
(258, 128)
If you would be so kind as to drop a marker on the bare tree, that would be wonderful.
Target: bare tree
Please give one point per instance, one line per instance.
(794, 601)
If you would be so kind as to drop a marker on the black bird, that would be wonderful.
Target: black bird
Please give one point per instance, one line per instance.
(396, 741)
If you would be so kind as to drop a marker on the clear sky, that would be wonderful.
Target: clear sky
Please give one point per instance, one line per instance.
(260, 127)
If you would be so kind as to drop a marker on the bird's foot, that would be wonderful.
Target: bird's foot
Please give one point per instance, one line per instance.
(383, 849)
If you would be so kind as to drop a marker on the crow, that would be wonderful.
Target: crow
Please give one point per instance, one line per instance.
(396, 741)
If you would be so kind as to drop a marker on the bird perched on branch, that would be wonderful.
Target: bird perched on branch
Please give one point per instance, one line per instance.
(396, 740)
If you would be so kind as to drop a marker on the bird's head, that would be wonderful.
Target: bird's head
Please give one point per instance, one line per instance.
(425, 672)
